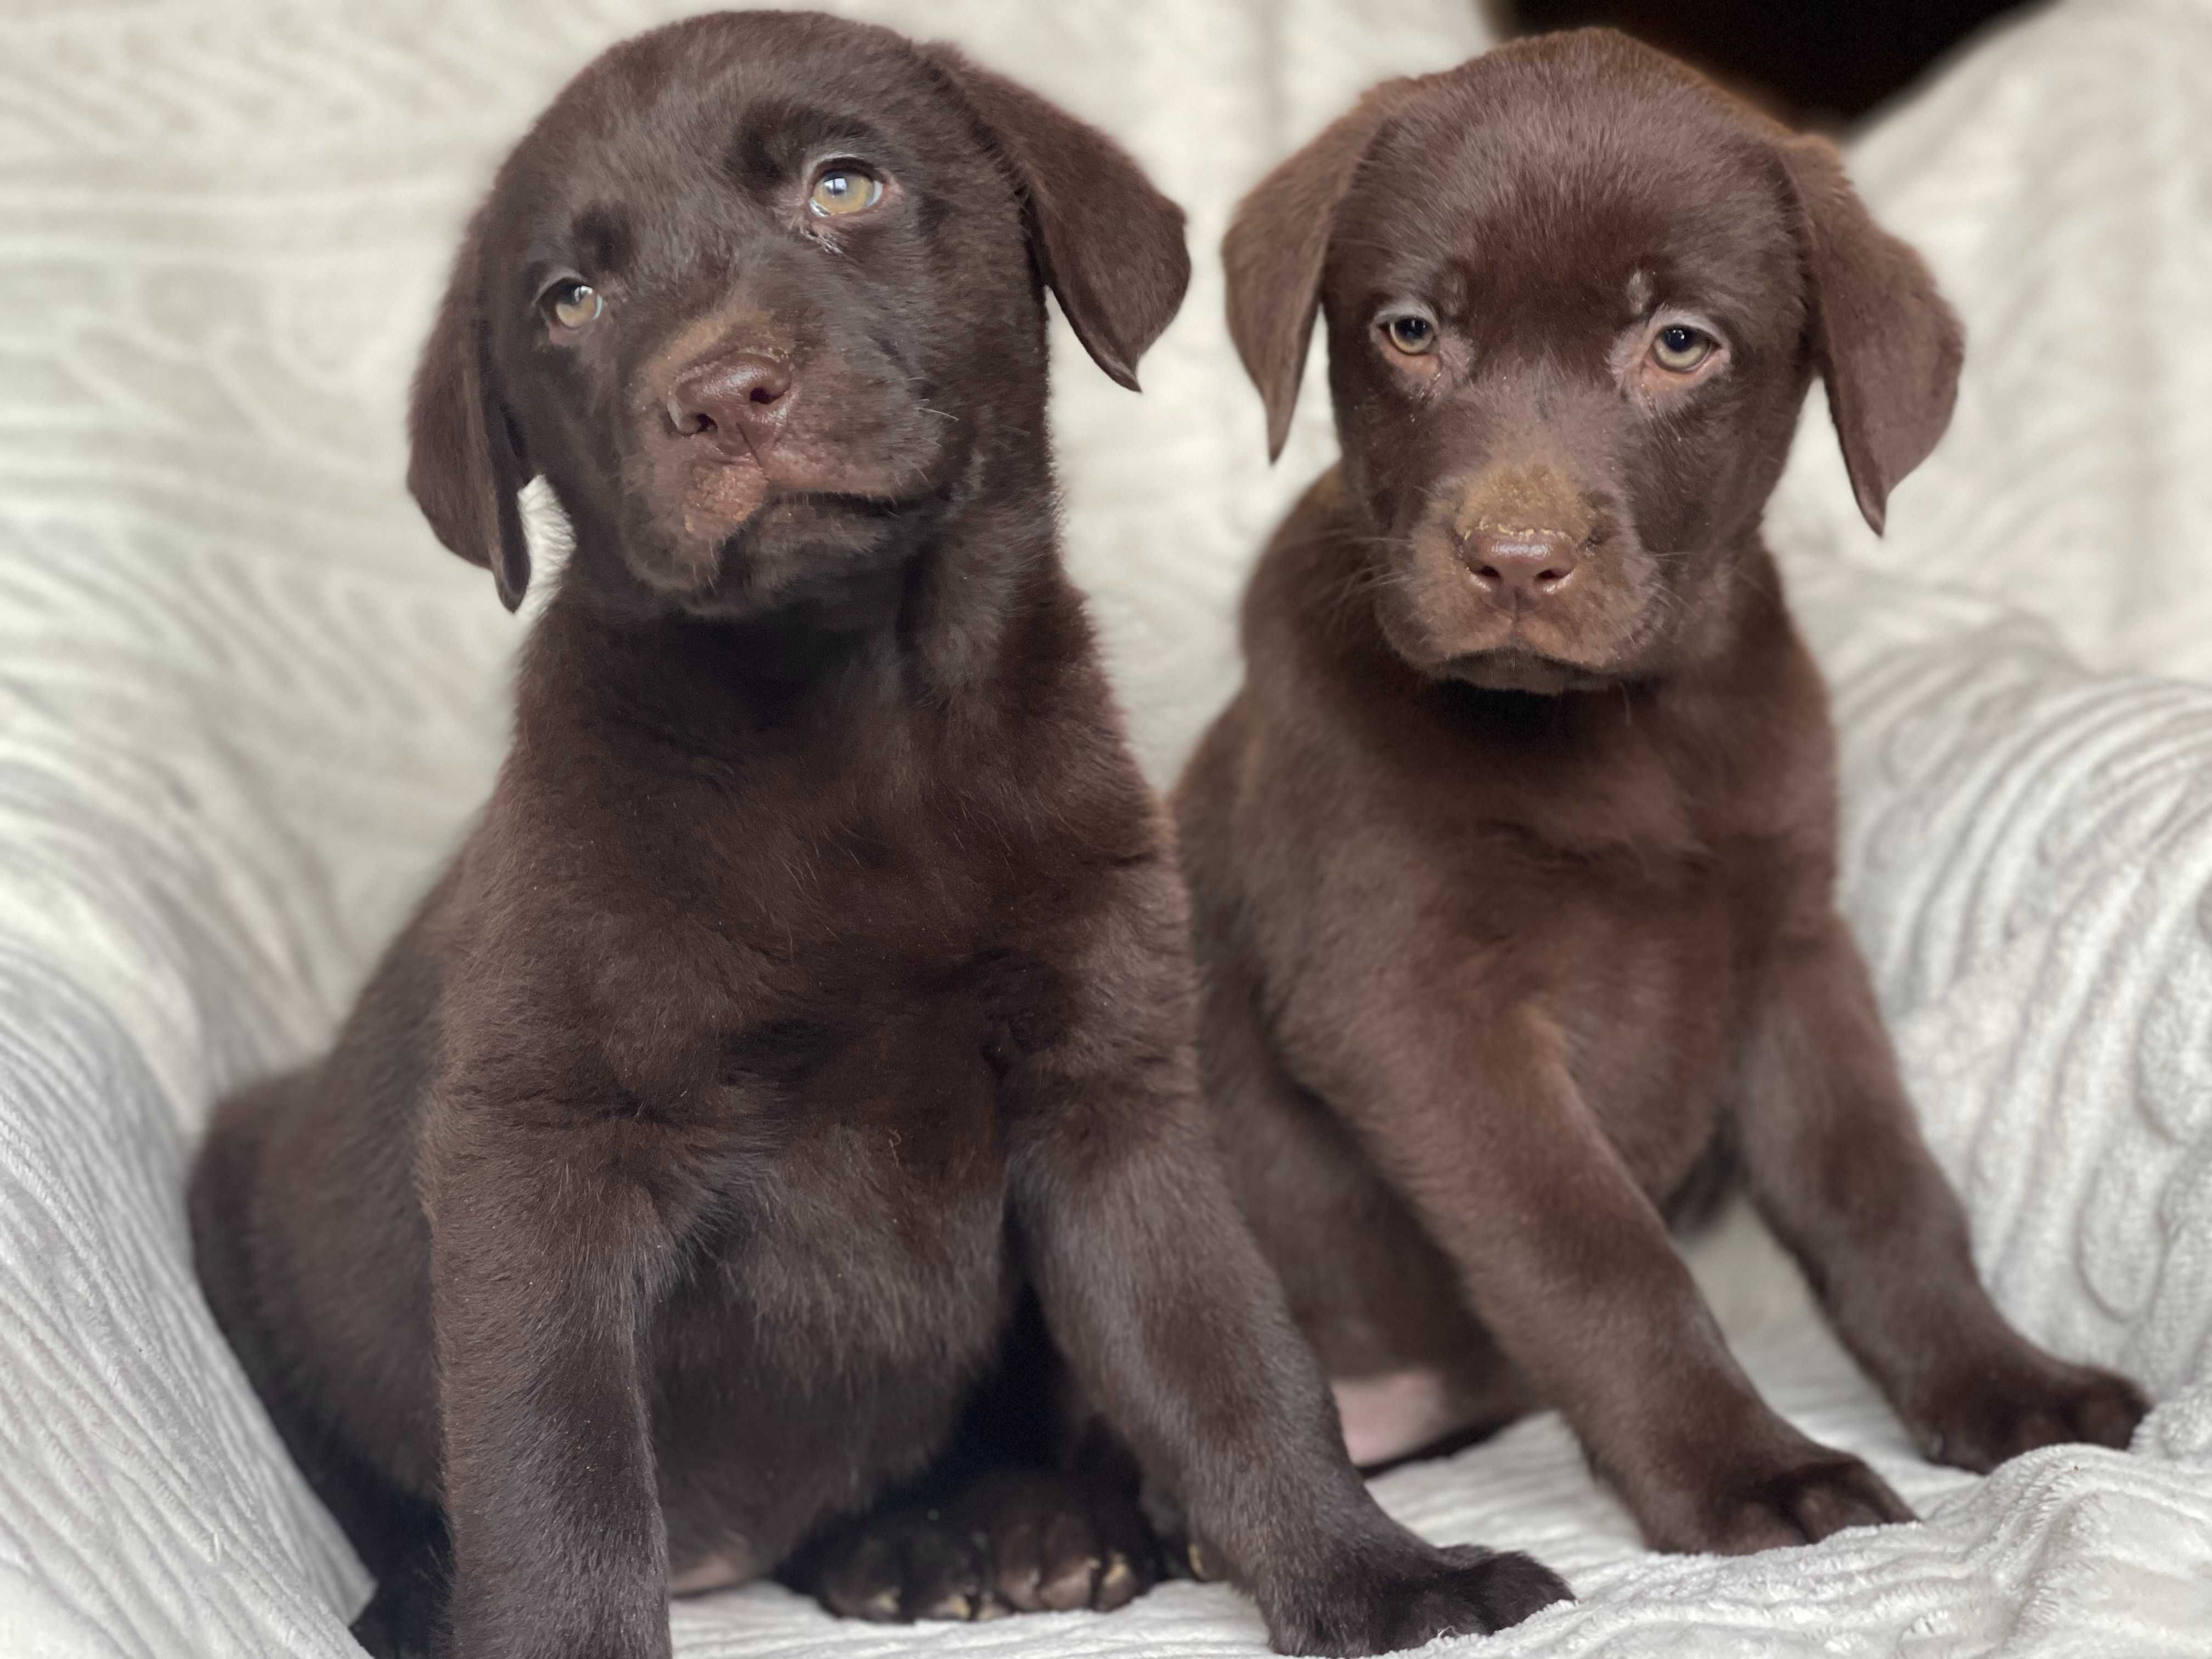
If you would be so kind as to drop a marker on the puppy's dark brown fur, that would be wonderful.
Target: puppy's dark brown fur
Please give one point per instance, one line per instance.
(796, 1061)
(1514, 859)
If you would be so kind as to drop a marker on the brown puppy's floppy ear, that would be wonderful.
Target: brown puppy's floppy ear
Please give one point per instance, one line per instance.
(1108, 243)
(1887, 343)
(465, 465)
(1276, 247)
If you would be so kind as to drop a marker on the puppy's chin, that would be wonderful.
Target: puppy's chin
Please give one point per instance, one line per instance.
(830, 554)
(1515, 669)
(679, 549)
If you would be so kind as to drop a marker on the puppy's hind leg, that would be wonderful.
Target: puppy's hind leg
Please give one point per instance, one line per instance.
(405, 1617)
(400, 1538)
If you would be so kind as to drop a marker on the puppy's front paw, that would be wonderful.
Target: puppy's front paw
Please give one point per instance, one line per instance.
(1998, 1411)
(1798, 1496)
(1464, 1591)
(1017, 1540)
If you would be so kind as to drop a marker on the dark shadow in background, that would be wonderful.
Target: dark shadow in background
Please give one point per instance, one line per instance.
(1814, 63)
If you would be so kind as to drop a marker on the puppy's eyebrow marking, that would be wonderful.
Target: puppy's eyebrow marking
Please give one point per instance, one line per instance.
(602, 237)
(774, 138)
(1641, 288)
(930, 210)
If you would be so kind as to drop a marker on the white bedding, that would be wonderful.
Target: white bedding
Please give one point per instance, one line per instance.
(244, 701)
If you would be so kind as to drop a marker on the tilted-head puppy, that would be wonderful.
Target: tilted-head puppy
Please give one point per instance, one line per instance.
(1514, 859)
(797, 1056)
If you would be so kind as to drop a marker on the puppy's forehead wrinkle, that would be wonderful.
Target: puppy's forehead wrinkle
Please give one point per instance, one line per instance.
(702, 59)
(1541, 153)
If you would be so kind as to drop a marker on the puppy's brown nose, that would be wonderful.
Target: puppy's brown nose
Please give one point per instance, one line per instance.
(1521, 564)
(740, 399)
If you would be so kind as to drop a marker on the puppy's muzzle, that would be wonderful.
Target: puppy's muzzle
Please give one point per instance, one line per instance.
(1521, 532)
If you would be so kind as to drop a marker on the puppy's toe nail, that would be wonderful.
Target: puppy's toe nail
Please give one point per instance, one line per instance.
(989, 1606)
(1070, 1586)
(1201, 1565)
(1117, 1584)
(954, 1606)
(1017, 1586)
(882, 1605)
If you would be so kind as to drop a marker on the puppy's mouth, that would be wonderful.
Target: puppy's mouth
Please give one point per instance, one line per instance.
(1435, 619)
(723, 493)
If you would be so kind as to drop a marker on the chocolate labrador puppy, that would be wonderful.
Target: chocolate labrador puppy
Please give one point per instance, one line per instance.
(1514, 860)
(796, 1063)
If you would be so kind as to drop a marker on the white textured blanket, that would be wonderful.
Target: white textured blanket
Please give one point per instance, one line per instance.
(245, 703)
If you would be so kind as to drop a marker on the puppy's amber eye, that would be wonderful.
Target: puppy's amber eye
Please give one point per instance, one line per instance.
(844, 189)
(1412, 333)
(574, 306)
(1680, 348)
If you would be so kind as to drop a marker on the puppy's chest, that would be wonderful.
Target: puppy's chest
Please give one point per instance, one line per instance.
(859, 1122)
(1653, 978)
(800, 984)
(844, 1125)
(1645, 952)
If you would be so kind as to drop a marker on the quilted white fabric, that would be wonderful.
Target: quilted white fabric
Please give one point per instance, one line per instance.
(246, 702)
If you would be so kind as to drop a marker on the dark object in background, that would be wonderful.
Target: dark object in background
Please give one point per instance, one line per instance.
(1816, 63)
(1513, 860)
(801, 1041)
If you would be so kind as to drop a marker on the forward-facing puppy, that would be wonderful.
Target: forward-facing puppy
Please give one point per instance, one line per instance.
(797, 1058)
(1514, 859)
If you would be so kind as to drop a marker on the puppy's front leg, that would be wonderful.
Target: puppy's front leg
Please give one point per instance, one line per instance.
(545, 1252)
(1838, 1167)
(1154, 1289)
(1476, 1121)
